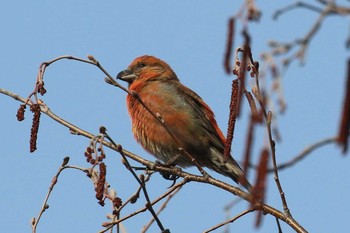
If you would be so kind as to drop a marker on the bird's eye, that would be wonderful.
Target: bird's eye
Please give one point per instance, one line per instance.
(140, 65)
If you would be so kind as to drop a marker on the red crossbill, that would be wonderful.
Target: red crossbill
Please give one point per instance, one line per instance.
(188, 122)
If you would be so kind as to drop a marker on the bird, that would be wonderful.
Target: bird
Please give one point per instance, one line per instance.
(185, 122)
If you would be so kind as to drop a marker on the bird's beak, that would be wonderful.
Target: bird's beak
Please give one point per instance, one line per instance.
(127, 76)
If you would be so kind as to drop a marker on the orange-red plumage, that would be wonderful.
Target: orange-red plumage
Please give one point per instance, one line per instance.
(189, 122)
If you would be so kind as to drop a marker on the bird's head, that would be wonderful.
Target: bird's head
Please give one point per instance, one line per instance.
(147, 68)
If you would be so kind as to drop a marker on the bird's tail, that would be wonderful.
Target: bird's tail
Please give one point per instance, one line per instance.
(231, 169)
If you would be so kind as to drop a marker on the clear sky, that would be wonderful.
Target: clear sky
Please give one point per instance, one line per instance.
(190, 36)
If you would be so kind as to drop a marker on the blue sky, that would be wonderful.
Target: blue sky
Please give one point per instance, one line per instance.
(191, 37)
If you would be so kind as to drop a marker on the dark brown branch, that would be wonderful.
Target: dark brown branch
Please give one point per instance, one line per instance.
(279, 225)
(229, 44)
(345, 117)
(242, 67)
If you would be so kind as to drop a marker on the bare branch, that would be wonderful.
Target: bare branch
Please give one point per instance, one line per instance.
(230, 220)
(162, 207)
(109, 225)
(140, 180)
(305, 152)
(344, 126)
(329, 8)
(45, 206)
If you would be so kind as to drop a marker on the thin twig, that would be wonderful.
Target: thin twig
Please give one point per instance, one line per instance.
(45, 206)
(344, 126)
(174, 188)
(279, 225)
(230, 220)
(302, 155)
(306, 151)
(273, 153)
(293, 6)
(161, 208)
(141, 182)
(268, 119)
(330, 8)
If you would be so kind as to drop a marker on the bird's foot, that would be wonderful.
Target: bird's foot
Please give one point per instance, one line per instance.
(168, 175)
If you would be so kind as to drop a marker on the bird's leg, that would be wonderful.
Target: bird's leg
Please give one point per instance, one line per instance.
(171, 162)
(160, 163)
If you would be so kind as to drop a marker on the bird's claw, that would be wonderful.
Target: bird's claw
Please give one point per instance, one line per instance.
(172, 177)
(167, 175)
